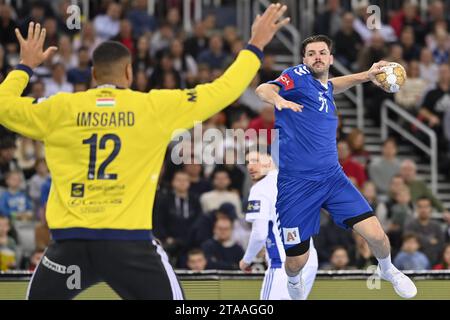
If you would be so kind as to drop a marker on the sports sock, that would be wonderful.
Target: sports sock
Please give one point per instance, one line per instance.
(385, 263)
(295, 279)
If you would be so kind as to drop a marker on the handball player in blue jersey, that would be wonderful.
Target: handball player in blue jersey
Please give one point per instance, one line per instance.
(310, 176)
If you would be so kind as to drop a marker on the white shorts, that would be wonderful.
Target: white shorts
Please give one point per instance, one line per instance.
(275, 280)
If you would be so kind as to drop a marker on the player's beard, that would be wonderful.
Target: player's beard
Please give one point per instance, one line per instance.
(260, 177)
(320, 73)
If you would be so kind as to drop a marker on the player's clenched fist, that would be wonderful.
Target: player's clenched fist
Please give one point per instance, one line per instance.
(266, 25)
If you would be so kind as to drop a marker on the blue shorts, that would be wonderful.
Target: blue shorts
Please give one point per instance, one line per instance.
(299, 202)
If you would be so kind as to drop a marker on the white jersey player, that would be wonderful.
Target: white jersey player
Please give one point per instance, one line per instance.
(261, 213)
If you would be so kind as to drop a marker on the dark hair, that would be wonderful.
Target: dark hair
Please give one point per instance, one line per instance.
(219, 169)
(390, 140)
(410, 235)
(37, 82)
(7, 143)
(336, 248)
(164, 24)
(195, 251)
(39, 161)
(317, 38)
(38, 5)
(193, 161)
(352, 137)
(12, 172)
(179, 172)
(109, 53)
(83, 48)
(424, 198)
(263, 149)
(58, 64)
(84, 84)
(228, 209)
(222, 216)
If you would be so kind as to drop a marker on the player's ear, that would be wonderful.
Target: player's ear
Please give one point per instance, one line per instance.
(93, 73)
(129, 74)
(331, 59)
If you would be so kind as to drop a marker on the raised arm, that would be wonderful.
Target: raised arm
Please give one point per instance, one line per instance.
(343, 83)
(18, 113)
(179, 109)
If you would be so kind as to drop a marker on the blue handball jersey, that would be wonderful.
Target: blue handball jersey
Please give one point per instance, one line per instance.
(307, 140)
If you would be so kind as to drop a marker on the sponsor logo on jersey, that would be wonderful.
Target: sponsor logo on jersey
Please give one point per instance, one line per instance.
(302, 70)
(53, 265)
(77, 190)
(291, 236)
(286, 81)
(253, 206)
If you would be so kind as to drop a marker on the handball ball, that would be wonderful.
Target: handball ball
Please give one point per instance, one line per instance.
(392, 78)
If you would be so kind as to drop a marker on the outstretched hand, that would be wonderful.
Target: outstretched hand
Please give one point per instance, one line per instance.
(281, 104)
(266, 25)
(32, 52)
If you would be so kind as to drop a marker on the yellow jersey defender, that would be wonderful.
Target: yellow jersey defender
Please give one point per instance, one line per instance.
(104, 149)
(105, 146)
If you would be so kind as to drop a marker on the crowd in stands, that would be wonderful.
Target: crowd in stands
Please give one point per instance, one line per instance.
(199, 208)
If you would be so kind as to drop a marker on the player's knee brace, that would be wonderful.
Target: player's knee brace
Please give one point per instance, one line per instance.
(298, 249)
(352, 221)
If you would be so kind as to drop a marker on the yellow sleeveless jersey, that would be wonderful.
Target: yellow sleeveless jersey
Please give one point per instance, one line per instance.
(105, 146)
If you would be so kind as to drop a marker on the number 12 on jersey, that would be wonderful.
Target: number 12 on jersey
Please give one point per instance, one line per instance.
(94, 143)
